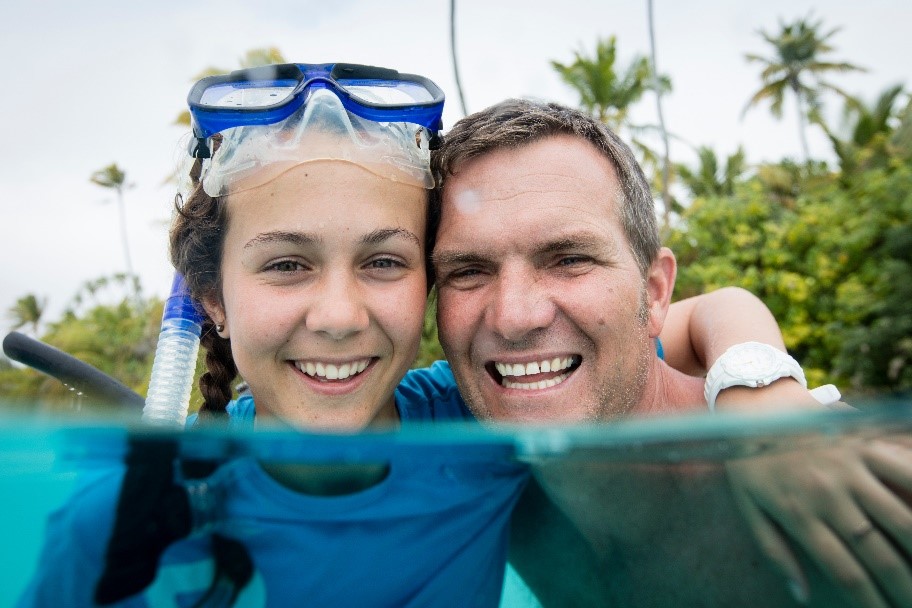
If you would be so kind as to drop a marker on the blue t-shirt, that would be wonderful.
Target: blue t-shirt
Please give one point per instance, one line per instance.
(432, 533)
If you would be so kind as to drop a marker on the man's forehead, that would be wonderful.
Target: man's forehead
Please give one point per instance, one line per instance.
(555, 163)
(560, 175)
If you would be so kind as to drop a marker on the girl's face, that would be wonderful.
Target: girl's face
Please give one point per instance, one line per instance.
(323, 293)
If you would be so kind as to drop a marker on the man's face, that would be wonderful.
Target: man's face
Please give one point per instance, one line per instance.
(543, 312)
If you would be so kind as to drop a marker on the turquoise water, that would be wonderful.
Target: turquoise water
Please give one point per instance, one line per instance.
(662, 478)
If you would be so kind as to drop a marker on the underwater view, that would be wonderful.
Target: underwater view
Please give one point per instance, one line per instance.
(637, 513)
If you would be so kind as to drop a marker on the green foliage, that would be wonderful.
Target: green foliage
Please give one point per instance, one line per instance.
(709, 179)
(430, 349)
(830, 254)
(119, 339)
(867, 140)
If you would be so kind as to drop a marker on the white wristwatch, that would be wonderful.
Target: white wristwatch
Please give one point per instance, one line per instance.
(750, 364)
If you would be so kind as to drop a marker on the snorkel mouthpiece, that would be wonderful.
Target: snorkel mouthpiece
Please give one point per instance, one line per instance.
(321, 130)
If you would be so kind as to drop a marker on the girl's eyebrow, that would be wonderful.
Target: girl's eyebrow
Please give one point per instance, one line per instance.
(295, 238)
(382, 234)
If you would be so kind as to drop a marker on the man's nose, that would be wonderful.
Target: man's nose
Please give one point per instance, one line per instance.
(338, 310)
(521, 304)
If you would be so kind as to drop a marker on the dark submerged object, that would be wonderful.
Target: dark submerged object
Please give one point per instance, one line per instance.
(80, 376)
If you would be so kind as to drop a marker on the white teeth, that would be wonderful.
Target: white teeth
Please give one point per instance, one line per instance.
(331, 371)
(531, 386)
(535, 367)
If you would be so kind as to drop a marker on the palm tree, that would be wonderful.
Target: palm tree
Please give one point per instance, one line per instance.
(709, 179)
(28, 310)
(867, 131)
(115, 178)
(604, 92)
(797, 51)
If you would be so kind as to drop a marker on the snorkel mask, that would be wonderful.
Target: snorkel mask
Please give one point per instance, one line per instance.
(251, 126)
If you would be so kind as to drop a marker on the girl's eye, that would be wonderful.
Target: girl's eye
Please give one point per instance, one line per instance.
(385, 263)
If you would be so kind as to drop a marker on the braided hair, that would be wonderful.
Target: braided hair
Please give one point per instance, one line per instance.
(197, 238)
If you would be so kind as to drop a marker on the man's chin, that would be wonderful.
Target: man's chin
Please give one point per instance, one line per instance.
(539, 407)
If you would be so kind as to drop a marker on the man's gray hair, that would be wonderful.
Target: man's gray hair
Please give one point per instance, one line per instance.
(518, 122)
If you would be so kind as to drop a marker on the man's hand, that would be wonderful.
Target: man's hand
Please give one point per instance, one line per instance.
(847, 507)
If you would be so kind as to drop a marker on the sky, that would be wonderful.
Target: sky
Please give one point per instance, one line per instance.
(97, 82)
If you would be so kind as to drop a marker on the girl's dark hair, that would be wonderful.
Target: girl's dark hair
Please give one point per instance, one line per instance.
(196, 241)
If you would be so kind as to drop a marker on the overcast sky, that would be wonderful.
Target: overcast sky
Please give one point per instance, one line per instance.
(94, 82)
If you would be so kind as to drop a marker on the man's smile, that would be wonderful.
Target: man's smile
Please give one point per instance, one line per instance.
(533, 375)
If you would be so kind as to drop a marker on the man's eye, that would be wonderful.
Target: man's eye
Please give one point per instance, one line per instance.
(464, 272)
(572, 260)
(285, 266)
(463, 278)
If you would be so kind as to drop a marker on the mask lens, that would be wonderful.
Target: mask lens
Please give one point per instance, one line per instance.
(256, 94)
(387, 92)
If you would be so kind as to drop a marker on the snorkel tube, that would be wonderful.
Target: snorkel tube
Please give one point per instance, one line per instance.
(174, 365)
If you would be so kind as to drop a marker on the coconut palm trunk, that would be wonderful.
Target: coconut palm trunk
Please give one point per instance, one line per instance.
(802, 124)
(656, 85)
(114, 178)
(462, 102)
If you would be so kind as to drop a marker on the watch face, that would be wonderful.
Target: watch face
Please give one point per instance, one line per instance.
(751, 363)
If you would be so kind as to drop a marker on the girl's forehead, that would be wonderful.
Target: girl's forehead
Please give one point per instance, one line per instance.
(333, 199)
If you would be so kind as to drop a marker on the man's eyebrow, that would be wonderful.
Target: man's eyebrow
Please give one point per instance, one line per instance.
(582, 242)
(452, 258)
(383, 234)
(578, 241)
(278, 236)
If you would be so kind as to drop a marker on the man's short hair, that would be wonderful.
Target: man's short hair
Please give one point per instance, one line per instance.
(518, 122)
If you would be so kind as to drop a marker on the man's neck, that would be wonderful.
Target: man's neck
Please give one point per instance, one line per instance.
(669, 392)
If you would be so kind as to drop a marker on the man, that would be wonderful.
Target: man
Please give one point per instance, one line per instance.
(552, 288)
(551, 293)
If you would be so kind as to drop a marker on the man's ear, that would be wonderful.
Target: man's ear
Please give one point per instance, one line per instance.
(660, 282)
(216, 311)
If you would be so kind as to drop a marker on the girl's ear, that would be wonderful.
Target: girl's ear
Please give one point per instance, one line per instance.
(216, 311)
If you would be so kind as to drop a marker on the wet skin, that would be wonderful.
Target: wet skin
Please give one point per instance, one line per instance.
(544, 314)
(323, 293)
